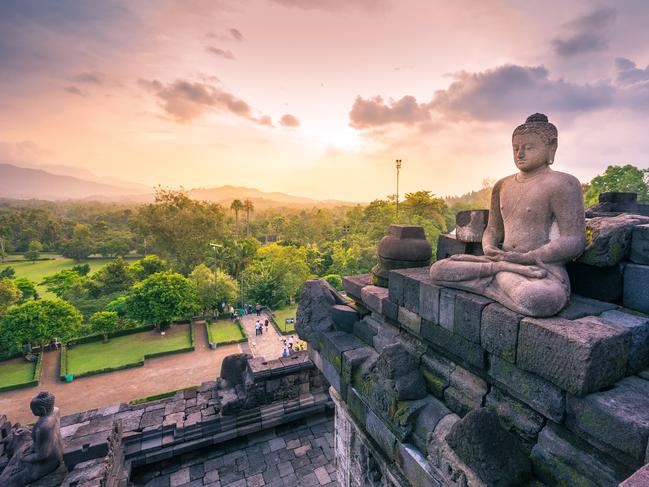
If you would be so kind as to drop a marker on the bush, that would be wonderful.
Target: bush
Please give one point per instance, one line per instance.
(335, 280)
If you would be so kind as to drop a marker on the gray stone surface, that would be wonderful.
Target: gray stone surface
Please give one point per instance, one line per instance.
(468, 315)
(515, 416)
(344, 317)
(542, 396)
(579, 307)
(579, 356)
(618, 417)
(453, 345)
(426, 420)
(609, 239)
(499, 331)
(447, 309)
(429, 302)
(601, 283)
(448, 245)
(636, 287)
(373, 296)
(470, 225)
(314, 312)
(353, 285)
(640, 245)
(334, 343)
(409, 320)
(366, 329)
(490, 450)
(437, 372)
(466, 391)
(413, 280)
(639, 327)
(561, 459)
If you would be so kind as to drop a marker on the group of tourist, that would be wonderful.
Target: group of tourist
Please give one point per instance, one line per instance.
(246, 309)
(259, 327)
(291, 346)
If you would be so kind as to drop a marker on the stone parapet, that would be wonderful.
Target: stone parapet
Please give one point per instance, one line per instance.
(563, 387)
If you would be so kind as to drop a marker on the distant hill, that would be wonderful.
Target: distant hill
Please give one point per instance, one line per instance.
(24, 183)
(30, 183)
(260, 199)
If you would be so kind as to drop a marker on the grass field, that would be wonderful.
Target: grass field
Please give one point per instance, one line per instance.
(16, 371)
(38, 270)
(128, 349)
(224, 332)
(280, 318)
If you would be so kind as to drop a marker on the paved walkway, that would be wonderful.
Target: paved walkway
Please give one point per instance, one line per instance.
(269, 345)
(295, 454)
(158, 375)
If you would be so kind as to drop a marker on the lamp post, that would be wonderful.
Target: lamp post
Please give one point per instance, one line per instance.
(215, 247)
(398, 165)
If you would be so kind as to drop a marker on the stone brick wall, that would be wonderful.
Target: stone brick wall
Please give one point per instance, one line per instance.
(573, 389)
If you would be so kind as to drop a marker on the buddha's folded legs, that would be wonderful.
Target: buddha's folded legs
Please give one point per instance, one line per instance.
(528, 290)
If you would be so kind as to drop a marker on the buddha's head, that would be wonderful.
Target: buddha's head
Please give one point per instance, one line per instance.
(42, 404)
(534, 143)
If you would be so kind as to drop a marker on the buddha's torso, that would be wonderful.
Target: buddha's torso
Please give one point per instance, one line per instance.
(526, 211)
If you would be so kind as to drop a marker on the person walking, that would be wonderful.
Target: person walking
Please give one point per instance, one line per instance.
(266, 325)
(258, 309)
(257, 328)
(291, 341)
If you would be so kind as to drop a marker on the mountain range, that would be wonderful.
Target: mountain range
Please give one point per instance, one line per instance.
(18, 182)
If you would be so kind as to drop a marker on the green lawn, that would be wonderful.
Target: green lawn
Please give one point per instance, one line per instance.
(280, 318)
(128, 349)
(38, 270)
(224, 331)
(16, 371)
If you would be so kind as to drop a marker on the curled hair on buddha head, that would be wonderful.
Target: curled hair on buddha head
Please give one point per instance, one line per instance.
(538, 124)
(42, 404)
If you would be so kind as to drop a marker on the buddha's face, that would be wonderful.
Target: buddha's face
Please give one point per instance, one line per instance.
(531, 151)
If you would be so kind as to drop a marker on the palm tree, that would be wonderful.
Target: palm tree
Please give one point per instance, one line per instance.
(236, 206)
(248, 207)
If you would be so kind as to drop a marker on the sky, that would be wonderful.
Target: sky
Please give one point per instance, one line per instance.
(318, 98)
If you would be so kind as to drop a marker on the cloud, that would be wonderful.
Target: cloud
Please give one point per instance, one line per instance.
(232, 34)
(220, 52)
(95, 78)
(186, 101)
(372, 112)
(74, 90)
(336, 5)
(587, 34)
(289, 121)
(628, 73)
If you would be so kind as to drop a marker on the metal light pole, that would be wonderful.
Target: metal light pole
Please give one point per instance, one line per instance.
(398, 164)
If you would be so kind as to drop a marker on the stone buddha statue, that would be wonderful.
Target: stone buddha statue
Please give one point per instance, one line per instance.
(536, 224)
(33, 460)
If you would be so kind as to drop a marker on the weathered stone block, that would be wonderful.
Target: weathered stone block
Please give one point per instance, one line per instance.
(465, 392)
(396, 287)
(636, 287)
(353, 285)
(470, 225)
(385, 336)
(352, 360)
(640, 245)
(617, 418)
(453, 345)
(314, 310)
(334, 378)
(437, 372)
(639, 327)
(468, 315)
(357, 406)
(344, 317)
(366, 329)
(609, 239)
(448, 245)
(515, 416)
(579, 307)
(409, 320)
(579, 356)
(427, 420)
(447, 308)
(602, 283)
(337, 342)
(539, 394)
(559, 458)
(639, 479)
(379, 431)
(429, 302)
(413, 279)
(499, 331)
(373, 297)
(390, 310)
(414, 465)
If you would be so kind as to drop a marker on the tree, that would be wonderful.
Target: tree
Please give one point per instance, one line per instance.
(61, 282)
(80, 246)
(9, 293)
(8, 272)
(628, 179)
(335, 280)
(82, 269)
(34, 251)
(41, 321)
(236, 206)
(27, 288)
(181, 227)
(162, 298)
(143, 268)
(104, 322)
(213, 287)
(113, 277)
(249, 208)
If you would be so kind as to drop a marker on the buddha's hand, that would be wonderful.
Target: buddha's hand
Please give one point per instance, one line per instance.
(526, 258)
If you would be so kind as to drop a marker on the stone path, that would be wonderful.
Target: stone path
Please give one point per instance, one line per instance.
(158, 375)
(295, 454)
(269, 345)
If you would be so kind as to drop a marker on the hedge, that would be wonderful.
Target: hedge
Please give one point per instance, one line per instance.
(64, 363)
(36, 378)
(115, 334)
